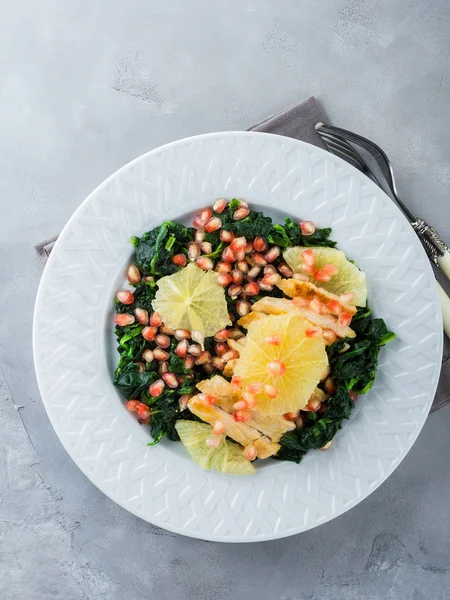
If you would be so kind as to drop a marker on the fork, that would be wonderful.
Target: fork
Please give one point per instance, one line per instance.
(339, 142)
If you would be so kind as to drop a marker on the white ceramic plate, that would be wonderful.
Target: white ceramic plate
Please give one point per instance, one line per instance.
(75, 353)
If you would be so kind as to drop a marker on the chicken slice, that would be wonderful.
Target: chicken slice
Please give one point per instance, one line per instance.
(221, 389)
(239, 432)
(294, 288)
(250, 318)
(280, 306)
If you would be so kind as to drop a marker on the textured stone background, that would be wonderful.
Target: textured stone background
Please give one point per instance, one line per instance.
(88, 85)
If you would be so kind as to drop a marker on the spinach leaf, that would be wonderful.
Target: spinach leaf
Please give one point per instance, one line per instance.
(253, 225)
(131, 382)
(290, 234)
(156, 247)
(164, 414)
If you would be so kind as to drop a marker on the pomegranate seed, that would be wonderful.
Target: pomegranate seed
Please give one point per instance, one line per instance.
(243, 203)
(223, 267)
(344, 319)
(322, 276)
(250, 399)
(133, 274)
(313, 405)
(353, 395)
(249, 452)
(143, 411)
(240, 405)
(132, 405)
(182, 334)
(234, 290)
(188, 363)
(230, 355)
(197, 336)
(276, 367)
(162, 340)
(264, 287)
(308, 257)
(310, 269)
(329, 336)
(291, 416)
(125, 297)
(259, 259)
(205, 215)
(272, 254)
(163, 367)
(223, 279)
(207, 398)
(313, 332)
(199, 236)
(334, 307)
(300, 277)
(240, 255)
(141, 316)
(193, 250)
(271, 279)
(238, 244)
(197, 222)
(251, 289)
(315, 305)
(260, 244)
(218, 428)
(148, 333)
(241, 213)
(240, 416)
(141, 366)
(285, 270)
(220, 348)
(217, 363)
(160, 354)
(248, 247)
(269, 270)
(208, 368)
(226, 236)
(271, 390)
(182, 348)
(237, 276)
(300, 301)
(205, 263)
(273, 340)
(254, 388)
(307, 227)
(156, 388)
(213, 225)
(222, 335)
(184, 399)
(228, 255)
(242, 266)
(219, 205)
(205, 357)
(170, 379)
(254, 272)
(235, 334)
(145, 421)
(166, 330)
(195, 350)
(206, 247)
(243, 307)
(236, 382)
(148, 356)
(212, 442)
(155, 320)
(347, 298)
(149, 278)
(179, 259)
(329, 385)
(123, 320)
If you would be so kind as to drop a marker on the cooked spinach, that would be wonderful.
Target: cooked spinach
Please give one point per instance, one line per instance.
(131, 382)
(156, 247)
(290, 234)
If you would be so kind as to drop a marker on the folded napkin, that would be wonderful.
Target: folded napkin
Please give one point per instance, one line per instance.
(298, 121)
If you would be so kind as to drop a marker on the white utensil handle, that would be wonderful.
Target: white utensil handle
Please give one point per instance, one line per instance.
(445, 306)
(444, 263)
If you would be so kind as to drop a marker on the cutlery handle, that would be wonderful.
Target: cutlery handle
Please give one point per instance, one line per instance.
(445, 306)
(444, 263)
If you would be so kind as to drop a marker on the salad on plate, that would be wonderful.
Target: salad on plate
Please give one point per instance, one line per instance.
(244, 339)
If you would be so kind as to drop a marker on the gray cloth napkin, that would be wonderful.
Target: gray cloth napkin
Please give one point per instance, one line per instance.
(298, 121)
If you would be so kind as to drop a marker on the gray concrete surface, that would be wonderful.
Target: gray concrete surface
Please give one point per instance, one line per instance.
(85, 87)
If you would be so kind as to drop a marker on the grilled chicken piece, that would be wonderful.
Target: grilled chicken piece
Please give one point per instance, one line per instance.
(250, 318)
(239, 432)
(279, 306)
(271, 426)
(228, 370)
(294, 288)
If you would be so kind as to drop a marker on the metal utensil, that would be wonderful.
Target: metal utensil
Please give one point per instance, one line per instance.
(338, 141)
